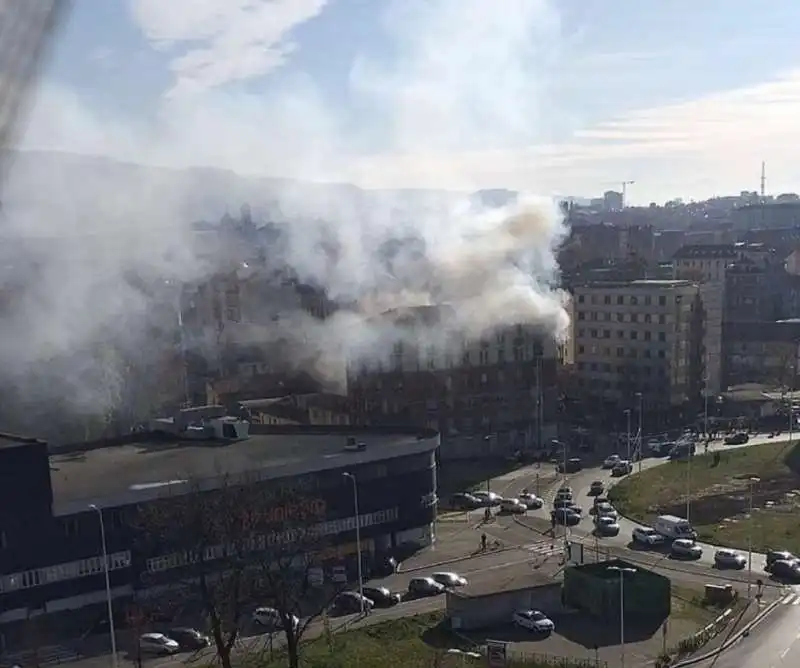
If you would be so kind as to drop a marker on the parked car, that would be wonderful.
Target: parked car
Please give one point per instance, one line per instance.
(729, 559)
(465, 501)
(597, 487)
(606, 526)
(425, 587)
(611, 461)
(449, 579)
(570, 505)
(158, 643)
(488, 498)
(513, 506)
(531, 501)
(647, 536)
(604, 510)
(382, 597)
(533, 620)
(686, 548)
(189, 639)
(271, 619)
(737, 439)
(349, 602)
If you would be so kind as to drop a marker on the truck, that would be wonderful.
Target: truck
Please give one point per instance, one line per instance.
(672, 527)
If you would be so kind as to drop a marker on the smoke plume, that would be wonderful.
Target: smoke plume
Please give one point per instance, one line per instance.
(94, 248)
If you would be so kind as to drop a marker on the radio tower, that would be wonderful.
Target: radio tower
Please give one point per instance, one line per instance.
(26, 30)
(763, 181)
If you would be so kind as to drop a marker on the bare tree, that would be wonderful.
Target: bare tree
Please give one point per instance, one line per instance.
(238, 544)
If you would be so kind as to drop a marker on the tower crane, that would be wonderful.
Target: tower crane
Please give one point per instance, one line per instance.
(27, 29)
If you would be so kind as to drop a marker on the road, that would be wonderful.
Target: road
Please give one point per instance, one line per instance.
(581, 482)
(774, 643)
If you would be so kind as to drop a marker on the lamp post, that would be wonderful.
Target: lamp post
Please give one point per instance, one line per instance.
(628, 415)
(108, 585)
(752, 481)
(358, 539)
(622, 570)
(688, 482)
(641, 433)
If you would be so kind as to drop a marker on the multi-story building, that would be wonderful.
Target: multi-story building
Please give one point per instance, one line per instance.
(51, 564)
(503, 385)
(638, 340)
(762, 352)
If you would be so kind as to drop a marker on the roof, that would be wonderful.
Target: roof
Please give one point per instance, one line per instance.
(706, 252)
(641, 284)
(13, 440)
(135, 471)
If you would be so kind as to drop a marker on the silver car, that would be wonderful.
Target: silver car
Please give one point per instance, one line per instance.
(729, 559)
(688, 549)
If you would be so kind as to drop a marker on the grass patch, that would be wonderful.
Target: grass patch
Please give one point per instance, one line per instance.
(421, 641)
(690, 604)
(719, 496)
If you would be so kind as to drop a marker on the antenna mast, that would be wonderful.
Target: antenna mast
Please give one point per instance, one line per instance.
(763, 180)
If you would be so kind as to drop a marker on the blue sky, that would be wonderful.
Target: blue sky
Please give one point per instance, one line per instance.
(679, 95)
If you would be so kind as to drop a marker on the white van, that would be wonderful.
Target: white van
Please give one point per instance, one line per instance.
(673, 527)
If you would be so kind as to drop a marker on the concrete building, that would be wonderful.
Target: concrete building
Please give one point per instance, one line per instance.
(50, 551)
(503, 386)
(638, 339)
(762, 352)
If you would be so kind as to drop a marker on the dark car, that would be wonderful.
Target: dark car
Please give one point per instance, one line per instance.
(566, 504)
(189, 639)
(566, 516)
(425, 587)
(349, 602)
(737, 439)
(786, 570)
(570, 466)
(382, 597)
(774, 556)
(597, 488)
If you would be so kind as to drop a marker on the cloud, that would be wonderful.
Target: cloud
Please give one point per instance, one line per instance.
(225, 42)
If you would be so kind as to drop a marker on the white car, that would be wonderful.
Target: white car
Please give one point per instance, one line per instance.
(449, 579)
(684, 547)
(271, 619)
(611, 462)
(729, 559)
(647, 536)
(488, 498)
(158, 643)
(533, 620)
(531, 501)
(513, 506)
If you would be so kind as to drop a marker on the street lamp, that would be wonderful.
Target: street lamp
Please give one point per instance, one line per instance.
(750, 483)
(358, 539)
(622, 570)
(689, 456)
(641, 433)
(628, 415)
(108, 585)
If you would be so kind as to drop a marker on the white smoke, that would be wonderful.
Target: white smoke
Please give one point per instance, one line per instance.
(114, 240)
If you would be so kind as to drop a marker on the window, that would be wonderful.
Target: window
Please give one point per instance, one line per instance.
(662, 300)
(620, 300)
(648, 300)
(580, 299)
(593, 333)
(634, 300)
(606, 333)
(607, 299)
(634, 335)
(662, 337)
(647, 336)
(620, 352)
(581, 315)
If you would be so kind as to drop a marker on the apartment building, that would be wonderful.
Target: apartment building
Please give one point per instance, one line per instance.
(638, 340)
(502, 386)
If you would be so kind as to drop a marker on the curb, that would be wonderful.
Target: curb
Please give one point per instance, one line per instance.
(455, 560)
(733, 639)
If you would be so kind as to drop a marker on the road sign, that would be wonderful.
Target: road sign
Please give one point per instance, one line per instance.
(496, 653)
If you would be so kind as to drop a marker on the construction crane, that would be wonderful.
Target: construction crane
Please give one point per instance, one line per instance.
(27, 29)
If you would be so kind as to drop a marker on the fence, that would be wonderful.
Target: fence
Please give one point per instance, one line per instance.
(554, 661)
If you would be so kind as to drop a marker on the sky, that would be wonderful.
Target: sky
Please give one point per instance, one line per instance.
(685, 98)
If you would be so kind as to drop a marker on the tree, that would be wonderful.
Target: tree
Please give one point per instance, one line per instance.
(239, 544)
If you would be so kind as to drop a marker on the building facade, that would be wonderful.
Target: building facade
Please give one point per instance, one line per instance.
(503, 386)
(50, 544)
(638, 340)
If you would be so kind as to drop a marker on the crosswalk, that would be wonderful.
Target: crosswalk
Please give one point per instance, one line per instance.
(544, 548)
(791, 598)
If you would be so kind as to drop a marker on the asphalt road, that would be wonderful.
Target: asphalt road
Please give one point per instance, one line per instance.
(773, 643)
(581, 482)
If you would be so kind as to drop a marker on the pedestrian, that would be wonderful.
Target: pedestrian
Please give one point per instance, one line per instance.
(483, 542)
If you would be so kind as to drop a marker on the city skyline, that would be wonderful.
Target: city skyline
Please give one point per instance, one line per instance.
(440, 95)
